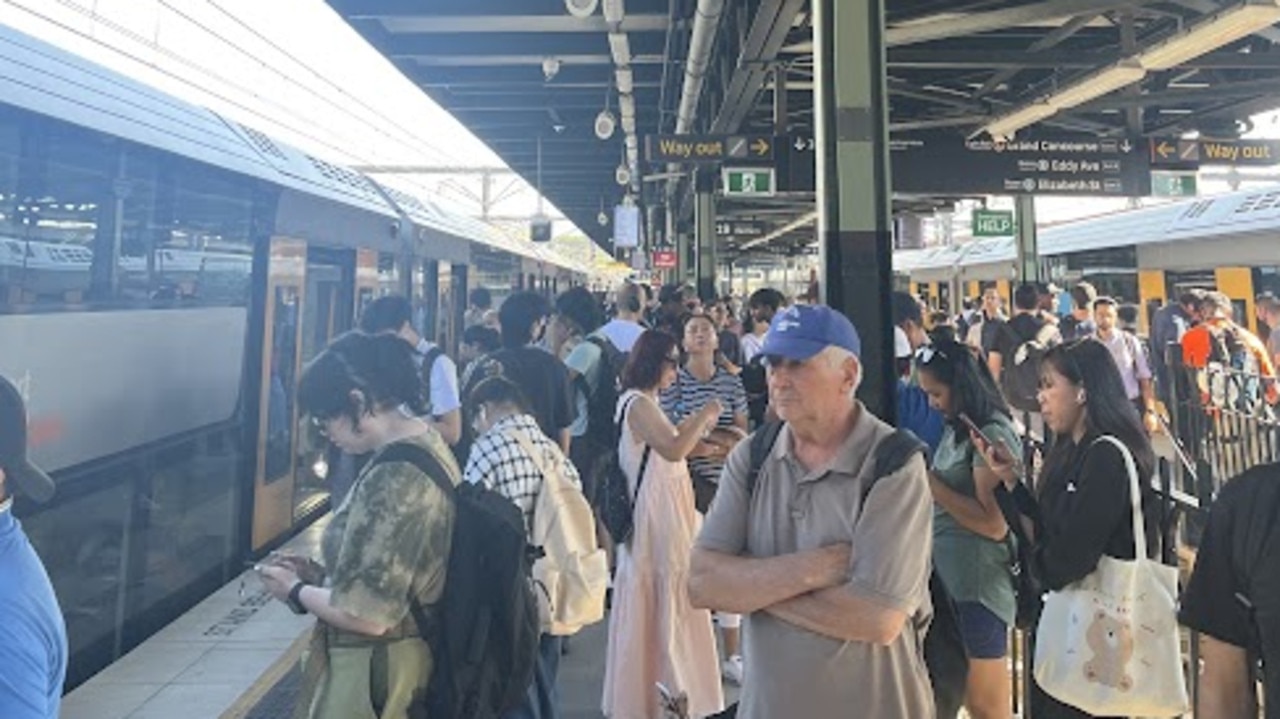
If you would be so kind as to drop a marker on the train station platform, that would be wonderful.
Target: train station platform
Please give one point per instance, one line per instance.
(222, 660)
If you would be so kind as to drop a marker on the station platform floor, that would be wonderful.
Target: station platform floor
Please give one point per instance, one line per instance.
(218, 659)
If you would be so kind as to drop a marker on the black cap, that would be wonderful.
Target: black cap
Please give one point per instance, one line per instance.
(19, 472)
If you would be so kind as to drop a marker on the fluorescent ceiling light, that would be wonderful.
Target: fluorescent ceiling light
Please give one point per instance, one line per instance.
(627, 105)
(614, 11)
(626, 80)
(629, 124)
(620, 48)
(1221, 29)
(1097, 84)
(1005, 127)
(804, 221)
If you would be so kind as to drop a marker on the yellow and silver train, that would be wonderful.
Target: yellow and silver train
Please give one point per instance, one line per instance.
(1144, 256)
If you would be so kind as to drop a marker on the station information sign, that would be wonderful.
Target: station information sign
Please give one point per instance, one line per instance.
(940, 163)
(664, 259)
(1185, 153)
(1061, 164)
(708, 149)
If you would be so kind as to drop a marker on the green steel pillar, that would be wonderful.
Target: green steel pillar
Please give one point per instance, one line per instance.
(854, 218)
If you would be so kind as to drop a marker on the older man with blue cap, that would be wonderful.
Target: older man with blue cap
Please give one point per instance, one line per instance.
(33, 637)
(821, 536)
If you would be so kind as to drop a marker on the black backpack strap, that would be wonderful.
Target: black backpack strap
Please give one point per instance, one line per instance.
(892, 454)
(426, 462)
(762, 442)
(423, 459)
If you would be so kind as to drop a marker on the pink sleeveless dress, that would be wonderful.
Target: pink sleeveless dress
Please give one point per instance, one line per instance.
(655, 634)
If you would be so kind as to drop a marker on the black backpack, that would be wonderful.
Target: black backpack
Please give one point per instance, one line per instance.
(1020, 373)
(484, 639)
(615, 502)
(944, 651)
(602, 403)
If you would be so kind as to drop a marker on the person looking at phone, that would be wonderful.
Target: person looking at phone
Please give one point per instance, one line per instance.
(386, 545)
(970, 549)
(1080, 509)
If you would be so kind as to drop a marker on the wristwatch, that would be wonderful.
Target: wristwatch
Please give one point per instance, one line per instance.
(294, 601)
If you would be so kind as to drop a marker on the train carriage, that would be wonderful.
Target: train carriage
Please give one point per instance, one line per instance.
(164, 274)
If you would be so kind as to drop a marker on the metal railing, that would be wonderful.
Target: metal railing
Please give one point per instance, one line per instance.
(1221, 423)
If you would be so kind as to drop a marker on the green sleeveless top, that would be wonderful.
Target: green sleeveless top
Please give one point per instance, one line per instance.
(974, 568)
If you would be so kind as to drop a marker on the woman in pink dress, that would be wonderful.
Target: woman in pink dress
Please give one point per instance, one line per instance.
(655, 634)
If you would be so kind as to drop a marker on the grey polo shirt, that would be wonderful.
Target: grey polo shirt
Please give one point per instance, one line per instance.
(792, 672)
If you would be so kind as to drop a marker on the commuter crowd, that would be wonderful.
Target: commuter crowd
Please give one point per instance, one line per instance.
(702, 476)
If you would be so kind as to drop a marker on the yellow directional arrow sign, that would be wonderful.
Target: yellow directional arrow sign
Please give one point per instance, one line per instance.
(1163, 149)
(760, 147)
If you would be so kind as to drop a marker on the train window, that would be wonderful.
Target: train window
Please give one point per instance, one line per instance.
(55, 212)
(187, 234)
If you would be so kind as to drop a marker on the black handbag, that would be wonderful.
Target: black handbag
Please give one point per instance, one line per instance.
(1028, 589)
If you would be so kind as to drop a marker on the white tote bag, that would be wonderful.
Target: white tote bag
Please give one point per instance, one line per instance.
(1108, 643)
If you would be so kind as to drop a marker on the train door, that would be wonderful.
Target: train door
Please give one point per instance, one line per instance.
(309, 302)
(1237, 283)
(278, 412)
(327, 312)
(1151, 297)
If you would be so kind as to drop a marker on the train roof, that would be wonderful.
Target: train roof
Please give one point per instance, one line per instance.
(1231, 215)
(45, 79)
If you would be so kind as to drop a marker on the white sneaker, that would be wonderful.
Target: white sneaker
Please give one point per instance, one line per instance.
(731, 668)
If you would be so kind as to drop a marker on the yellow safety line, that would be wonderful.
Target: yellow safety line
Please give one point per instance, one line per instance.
(274, 674)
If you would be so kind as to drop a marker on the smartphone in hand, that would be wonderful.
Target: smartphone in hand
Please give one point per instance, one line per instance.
(1002, 450)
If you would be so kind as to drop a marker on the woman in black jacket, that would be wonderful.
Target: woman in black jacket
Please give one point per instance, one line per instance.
(1079, 510)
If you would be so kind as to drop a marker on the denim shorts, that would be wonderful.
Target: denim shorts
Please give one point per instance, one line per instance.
(985, 635)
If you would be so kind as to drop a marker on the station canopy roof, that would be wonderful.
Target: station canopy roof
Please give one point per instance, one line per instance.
(524, 74)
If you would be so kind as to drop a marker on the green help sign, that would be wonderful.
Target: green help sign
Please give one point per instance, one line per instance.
(992, 223)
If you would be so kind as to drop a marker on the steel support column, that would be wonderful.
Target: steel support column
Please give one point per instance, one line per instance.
(1028, 248)
(854, 218)
(704, 212)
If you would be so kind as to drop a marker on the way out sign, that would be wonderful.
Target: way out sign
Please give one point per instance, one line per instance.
(748, 181)
(992, 223)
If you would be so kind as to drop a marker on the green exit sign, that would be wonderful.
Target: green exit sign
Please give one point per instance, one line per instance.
(1174, 184)
(748, 181)
(993, 223)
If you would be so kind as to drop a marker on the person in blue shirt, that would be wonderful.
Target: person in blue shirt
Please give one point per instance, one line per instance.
(33, 637)
(914, 411)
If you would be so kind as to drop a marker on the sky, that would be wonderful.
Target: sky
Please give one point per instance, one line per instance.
(293, 69)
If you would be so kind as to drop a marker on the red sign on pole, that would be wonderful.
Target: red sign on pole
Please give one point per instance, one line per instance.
(664, 259)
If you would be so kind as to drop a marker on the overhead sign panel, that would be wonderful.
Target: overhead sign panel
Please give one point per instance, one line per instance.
(1061, 164)
(626, 226)
(993, 223)
(664, 259)
(749, 181)
(1189, 154)
(708, 149)
(948, 164)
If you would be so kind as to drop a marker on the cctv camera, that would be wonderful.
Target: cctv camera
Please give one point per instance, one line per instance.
(605, 125)
(395, 228)
(550, 68)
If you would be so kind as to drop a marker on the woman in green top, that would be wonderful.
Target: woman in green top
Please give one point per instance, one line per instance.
(971, 549)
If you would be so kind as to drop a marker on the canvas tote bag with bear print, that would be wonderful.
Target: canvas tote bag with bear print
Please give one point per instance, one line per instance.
(1108, 644)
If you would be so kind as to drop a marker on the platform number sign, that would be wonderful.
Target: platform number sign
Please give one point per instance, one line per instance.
(993, 223)
(745, 182)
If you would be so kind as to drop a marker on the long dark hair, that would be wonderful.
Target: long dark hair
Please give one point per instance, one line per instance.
(973, 389)
(1087, 364)
(647, 360)
(379, 366)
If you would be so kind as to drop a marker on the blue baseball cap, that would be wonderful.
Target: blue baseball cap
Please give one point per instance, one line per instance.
(802, 331)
